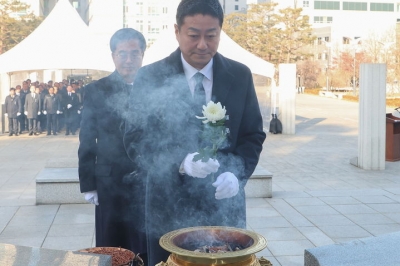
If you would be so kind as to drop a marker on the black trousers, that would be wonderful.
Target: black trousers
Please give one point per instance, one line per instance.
(13, 125)
(70, 122)
(51, 123)
(22, 121)
(32, 125)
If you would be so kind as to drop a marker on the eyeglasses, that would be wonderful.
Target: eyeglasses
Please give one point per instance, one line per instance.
(133, 55)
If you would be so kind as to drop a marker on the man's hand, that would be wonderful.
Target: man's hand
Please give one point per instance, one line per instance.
(38, 113)
(58, 112)
(69, 106)
(6, 114)
(18, 114)
(92, 197)
(227, 186)
(26, 112)
(79, 112)
(45, 112)
(198, 169)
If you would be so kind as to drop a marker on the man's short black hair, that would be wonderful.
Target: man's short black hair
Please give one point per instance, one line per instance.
(12, 89)
(127, 34)
(194, 7)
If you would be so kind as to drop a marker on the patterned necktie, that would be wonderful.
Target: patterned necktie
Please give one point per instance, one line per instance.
(199, 95)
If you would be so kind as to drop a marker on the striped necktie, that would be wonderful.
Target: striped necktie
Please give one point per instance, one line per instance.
(199, 95)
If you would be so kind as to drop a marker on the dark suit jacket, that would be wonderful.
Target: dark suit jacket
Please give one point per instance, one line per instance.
(13, 106)
(51, 104)
(103, 164)
(161, 130)
(72, 100)
(33, 105)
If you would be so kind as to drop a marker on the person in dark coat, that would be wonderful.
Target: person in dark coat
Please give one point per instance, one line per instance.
(51, 108)
(32, 110)
(71, 107)
(42, 119)
(162, 131)
(13, 111)
(103, 163)
(60, 115)
(21, 118)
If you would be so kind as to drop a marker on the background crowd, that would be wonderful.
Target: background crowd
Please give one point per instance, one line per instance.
(35, 108)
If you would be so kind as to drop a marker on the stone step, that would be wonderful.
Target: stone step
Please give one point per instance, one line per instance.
(380, 250)
(23, 256)
(61, 185)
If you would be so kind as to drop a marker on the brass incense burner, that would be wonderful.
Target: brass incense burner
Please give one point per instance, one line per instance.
(182, 243)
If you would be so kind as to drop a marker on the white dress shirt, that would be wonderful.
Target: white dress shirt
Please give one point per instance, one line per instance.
(208, 77)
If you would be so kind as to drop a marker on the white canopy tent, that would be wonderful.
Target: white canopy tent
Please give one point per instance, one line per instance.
(81, 49)
(167, 43)
(44, 49)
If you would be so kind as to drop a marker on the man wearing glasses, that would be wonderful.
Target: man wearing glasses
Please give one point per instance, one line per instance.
(103, 164)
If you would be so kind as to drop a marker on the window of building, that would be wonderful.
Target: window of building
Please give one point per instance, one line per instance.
(306, 3)
(236, 7)
(318, 19)
(319, 56)
(319, 40)
(360, 6)
(329, 5)
(75, 4)
(346, 40)
(152, 11)
(388, 7)
(327, 39)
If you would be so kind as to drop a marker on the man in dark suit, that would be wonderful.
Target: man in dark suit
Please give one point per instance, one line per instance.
(103, 164)
(13, 111)
(51, 108)
(71, 108)
(162, 131)
(21, 118)
(32, 110)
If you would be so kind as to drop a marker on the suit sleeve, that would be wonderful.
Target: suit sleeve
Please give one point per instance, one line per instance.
(251, 133)
(243, 158)
(87, 147)
(19, 105)
(26, 104)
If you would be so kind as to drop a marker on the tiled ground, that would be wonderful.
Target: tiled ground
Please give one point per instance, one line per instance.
(318, 197)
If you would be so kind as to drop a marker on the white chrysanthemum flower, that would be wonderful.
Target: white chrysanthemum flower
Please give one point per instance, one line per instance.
(213, 112)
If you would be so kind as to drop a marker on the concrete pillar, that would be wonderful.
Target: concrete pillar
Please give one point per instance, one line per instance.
(47, 75)
(372, 117)
(287, 97)
(58, 76)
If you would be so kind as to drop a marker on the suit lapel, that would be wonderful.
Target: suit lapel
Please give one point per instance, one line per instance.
(177, 75)
(222, 82)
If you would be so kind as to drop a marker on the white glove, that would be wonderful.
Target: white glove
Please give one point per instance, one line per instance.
(227, 186)
(26, 112)
(6, 114)
(45, 112)
(38, 113)
(18, 114)
(58, 112)
(69, 106)
(79, 112)
(92, 197)
(198, 169)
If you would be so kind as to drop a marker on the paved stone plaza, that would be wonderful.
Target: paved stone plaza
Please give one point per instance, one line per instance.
(318, 197)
